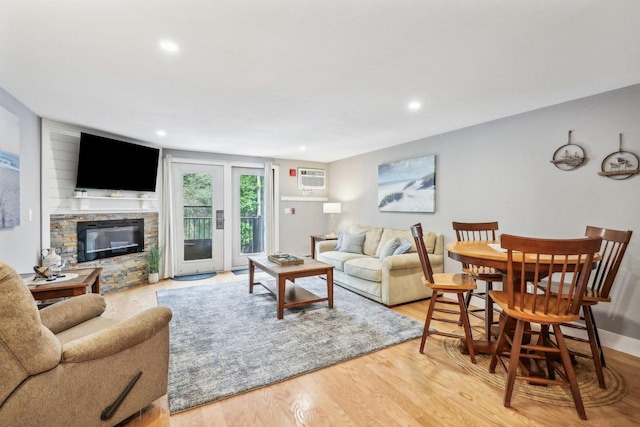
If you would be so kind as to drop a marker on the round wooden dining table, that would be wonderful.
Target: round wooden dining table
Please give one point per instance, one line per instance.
(482, 253)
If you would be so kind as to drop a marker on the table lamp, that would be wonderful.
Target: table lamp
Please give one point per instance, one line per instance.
(332, 208)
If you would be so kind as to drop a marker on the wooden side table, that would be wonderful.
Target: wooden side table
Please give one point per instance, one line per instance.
(319, 238)
(42, 290)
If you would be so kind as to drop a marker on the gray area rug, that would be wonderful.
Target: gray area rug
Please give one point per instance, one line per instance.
(225, 341)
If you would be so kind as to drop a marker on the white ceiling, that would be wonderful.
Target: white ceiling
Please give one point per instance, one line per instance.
(265, 77)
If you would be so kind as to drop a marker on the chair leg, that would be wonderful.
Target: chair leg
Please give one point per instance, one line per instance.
(467, 328)
(545, 341)
(571, 375)
(596, 334)
(514, 359)
(502, 340)
(488, 311)
(467, 299)
(427, 321)
(593, 343)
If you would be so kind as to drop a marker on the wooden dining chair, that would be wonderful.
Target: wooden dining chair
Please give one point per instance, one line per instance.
(452, 283)
(478, 231)
(536, 262)
(614, 245)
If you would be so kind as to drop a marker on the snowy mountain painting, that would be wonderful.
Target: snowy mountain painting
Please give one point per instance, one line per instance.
(407, 185)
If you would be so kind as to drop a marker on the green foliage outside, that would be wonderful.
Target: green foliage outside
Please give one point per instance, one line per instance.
(197, 193)
(251, 200)
(198, 198)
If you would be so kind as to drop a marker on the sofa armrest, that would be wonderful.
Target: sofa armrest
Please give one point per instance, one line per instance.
(439, 246)
(325, 246)
(118, 337)
(66, 314)
(396, 262)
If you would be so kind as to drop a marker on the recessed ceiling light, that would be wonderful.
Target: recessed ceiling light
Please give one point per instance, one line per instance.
(169, 46)
(303, 148)
(161, 132)
(414, 105)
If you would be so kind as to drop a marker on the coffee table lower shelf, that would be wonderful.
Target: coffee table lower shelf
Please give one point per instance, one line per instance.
(294, 295)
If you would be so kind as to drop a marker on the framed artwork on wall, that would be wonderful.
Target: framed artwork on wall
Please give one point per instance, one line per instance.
(9, 169)
(407, 185)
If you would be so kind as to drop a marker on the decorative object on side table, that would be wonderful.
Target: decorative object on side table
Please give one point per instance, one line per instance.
(332, 208)
(569, 156)
(153, 265)
(620, 165)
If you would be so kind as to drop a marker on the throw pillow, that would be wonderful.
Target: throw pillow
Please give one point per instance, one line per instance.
(340, 238)
(389, 247)
(352, 243)
(405, 246)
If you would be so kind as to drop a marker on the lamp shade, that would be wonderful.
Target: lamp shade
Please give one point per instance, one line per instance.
(331, 208)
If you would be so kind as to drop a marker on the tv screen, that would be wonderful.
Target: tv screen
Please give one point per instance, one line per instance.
(109, 164)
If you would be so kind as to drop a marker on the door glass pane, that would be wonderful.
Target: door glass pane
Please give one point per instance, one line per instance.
(197, 191)
(251, 214)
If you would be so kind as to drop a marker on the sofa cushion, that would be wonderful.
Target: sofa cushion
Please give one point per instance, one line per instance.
(390, 233)
(372, 240)
(389, 248)
(366, 268)
(403, 247)
(337, 258)
(352, 243)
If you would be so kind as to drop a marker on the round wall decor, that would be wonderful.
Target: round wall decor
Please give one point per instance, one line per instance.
(569, 156)
(620, 165)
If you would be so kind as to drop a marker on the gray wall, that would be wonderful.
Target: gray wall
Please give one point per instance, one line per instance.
(501, 171)
(20, 246)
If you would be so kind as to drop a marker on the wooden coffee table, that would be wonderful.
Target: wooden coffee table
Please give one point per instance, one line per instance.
(42, 290)
(289, 294)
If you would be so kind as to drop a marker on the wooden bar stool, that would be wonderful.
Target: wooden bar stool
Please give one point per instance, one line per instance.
(535, 261)
(480, 231)
(457, 283)
(614, 245)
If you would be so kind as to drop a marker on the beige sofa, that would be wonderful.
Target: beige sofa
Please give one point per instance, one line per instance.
(396, 279)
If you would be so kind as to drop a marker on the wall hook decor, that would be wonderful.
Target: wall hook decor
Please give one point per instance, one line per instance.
(569, 156)
(620, 165)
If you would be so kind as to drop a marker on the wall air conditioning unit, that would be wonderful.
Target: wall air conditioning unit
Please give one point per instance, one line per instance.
(312, 179)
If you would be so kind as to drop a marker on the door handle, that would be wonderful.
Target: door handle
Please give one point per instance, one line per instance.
(220, 220)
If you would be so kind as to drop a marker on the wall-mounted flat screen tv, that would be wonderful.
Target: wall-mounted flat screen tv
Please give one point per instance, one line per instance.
(109, 164)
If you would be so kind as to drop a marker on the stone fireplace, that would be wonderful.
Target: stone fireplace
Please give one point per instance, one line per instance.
(125, 264)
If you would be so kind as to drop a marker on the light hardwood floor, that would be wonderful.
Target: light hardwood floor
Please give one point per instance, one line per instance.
(395, 386)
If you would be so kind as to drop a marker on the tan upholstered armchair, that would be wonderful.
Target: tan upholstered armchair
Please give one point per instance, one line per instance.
(67, 365)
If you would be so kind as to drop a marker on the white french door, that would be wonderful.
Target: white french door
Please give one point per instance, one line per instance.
(248, 222)
(199, 217)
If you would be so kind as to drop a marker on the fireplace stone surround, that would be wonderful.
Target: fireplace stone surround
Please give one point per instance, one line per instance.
(119, 272)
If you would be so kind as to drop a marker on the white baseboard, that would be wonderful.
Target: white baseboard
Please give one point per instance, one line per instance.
(621, 343)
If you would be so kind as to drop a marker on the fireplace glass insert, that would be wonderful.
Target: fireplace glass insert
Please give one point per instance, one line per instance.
(106, 239)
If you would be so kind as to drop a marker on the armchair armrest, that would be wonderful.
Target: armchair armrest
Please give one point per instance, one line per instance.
(118, 337)
(66, 314)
